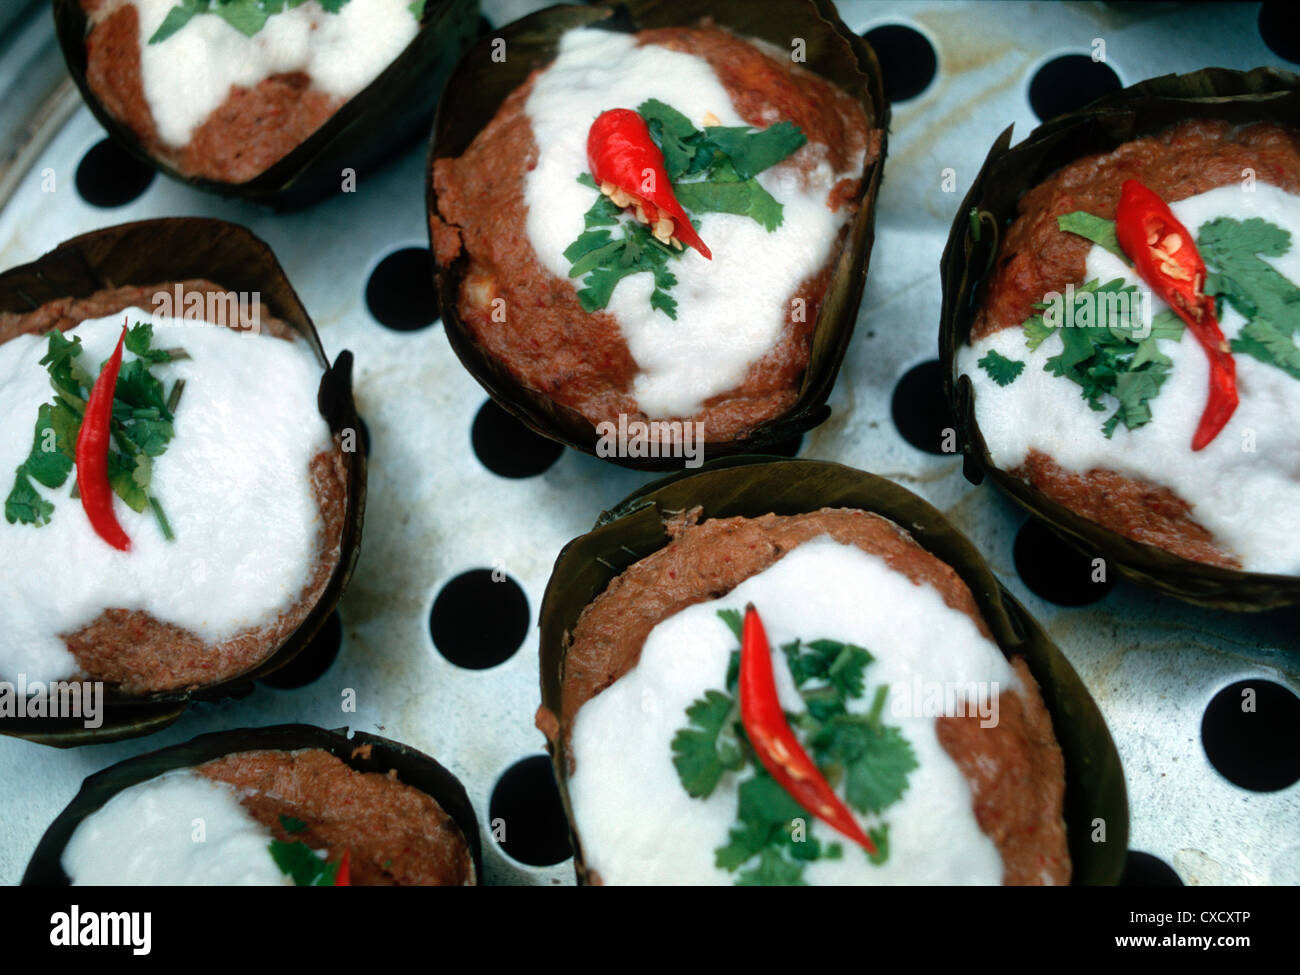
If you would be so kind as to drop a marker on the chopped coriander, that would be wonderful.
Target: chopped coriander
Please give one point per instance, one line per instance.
(1104, 361)
(1102, 353)
(303, 864)
(770, 844)
(712, 171)
(1001, 370)
(1235, 251)
(293, 824)
(1099, 230)
(246, 16)
(141, 424)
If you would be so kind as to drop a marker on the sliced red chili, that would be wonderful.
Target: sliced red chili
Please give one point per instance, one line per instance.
(775, 742)
(344, 876)
(629, 168)
(1166, 257)
(92, 454)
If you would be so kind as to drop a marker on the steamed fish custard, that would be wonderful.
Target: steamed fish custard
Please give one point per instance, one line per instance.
(269, 818)
(650, 223)
(840, 717)
(226, 88)
(174, 501)
(1148, 385)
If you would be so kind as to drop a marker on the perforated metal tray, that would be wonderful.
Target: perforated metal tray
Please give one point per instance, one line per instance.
(436, 511)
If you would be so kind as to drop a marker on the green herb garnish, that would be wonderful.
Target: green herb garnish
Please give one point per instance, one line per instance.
(1240, 276)
(1001, 370)
(246, 16)
(1104, 361)
(770, 843)
(1099, 230)
(142, 426)
(712, 171)
(303, 864)
(293, 824)
(1106, 353)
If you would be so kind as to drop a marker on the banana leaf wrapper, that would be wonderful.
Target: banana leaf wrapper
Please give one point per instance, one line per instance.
(395, 107)
(414, 768)
(481, 84)
(1264, 94)
(173, 249)
(754, 486)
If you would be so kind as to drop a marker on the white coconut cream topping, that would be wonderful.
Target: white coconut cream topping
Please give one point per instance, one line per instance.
(731, 310)
(189, 74)
(179, 829)
(1245, 486)
(234, 483)
(639, 826)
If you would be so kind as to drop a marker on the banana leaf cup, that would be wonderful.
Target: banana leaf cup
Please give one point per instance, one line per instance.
(358, 750)
(392, 109)
(755, 486)
(148, 253)
(1261, 95)
(483, 83)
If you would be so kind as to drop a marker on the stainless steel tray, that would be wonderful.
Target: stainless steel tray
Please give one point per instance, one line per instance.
(436, 511)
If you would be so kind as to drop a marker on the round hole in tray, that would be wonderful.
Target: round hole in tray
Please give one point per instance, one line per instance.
(1251, 734)
(108, 176)
(526, 816)
(400, 291)
(907, 60)
(479, 619)
(506, 447)
(1279, 26)
(314, 659)
(1145, 870)
(1056, 571)
(920, 409)
(1069, 82)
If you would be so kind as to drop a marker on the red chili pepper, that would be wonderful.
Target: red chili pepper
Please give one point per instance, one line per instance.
(629, 168)
(775, 742)
(344, 877)
(92, 454)
(1166, 257)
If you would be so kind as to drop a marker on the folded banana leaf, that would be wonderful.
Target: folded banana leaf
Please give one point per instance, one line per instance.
(483, 83)
(755, 486)
(174, 249)
(414, 768)
(359, 136)
(1264, 94)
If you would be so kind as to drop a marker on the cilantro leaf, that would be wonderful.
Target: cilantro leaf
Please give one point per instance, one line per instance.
(1099, 230)
(301, 862)
(748, 199)
(25, 505)
(702, 753)
(875, 760)
(1102, 353)
(1001, 370)
(176, 18)
(879, 837)
(47, 463)
(123, 478)
(677, 136)
(246, 16)
(292, 824)
(1266, 298)
(734, 620)
(773, 870)
(139, 388)
(753, 150)
(1263, 340)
